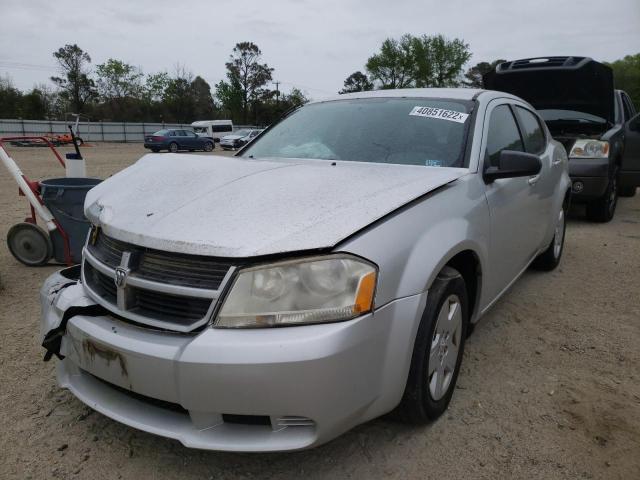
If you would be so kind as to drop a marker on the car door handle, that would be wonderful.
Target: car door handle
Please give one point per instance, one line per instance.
(533, 180)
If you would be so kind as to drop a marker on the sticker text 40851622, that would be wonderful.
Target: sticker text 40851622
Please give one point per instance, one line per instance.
(439, 113)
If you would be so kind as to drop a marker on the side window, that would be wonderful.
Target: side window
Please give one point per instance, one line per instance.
(534, 140)
(628, 106)
(181, 133)
(626, 109)
(503, 134)
(172, 133)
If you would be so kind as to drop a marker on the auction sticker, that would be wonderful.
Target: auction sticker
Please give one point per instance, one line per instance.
(440, 113)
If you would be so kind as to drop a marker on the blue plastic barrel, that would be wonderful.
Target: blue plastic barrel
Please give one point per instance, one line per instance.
(65, 198)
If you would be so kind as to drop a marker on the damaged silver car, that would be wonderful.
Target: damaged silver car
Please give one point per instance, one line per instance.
(318, 279)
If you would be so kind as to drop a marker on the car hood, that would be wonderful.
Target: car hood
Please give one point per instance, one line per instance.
(236, 207)
(232, 137)
(562, 83)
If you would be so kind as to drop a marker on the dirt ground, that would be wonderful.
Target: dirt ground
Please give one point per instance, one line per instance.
(549, 386)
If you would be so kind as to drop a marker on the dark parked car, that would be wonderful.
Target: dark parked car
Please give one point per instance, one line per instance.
(174, 140)
(597, 125)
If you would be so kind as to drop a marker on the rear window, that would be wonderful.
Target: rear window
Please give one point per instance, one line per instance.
(161, 133)
(534, 140)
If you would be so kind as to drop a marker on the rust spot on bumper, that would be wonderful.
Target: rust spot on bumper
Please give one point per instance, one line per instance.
(93, 349)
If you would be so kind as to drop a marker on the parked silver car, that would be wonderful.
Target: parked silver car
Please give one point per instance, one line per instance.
(239, 138)
(273, 301)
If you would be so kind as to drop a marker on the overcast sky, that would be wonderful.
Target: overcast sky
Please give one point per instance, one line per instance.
(312, 44)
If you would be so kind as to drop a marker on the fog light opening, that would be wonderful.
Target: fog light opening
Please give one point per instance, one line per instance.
(577, 186)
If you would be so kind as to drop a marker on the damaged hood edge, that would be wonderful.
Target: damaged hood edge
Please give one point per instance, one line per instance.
(235, 207)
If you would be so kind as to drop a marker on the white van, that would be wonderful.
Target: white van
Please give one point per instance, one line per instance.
(215, 129)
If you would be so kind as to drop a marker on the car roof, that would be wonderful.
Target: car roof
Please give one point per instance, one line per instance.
(449, 93)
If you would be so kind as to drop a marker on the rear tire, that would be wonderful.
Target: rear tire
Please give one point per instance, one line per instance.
(627, 191)
(603, 209)
(29, 244)
(173, 147)
(550, 258)
(437, 351)
(208, 147)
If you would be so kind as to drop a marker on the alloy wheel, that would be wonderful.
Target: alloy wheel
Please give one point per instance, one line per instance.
(445, 347)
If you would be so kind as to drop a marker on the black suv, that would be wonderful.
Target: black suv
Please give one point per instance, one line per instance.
(597, 125)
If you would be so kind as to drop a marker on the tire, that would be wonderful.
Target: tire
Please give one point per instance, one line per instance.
(550, 258)
(173, 147)
(629, 191)
(603, 209)
(209, 146)
(447, 300)
(29, 244)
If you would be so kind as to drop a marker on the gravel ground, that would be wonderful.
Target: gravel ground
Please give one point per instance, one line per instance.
(549, 386)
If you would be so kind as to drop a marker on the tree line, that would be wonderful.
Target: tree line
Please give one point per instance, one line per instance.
(117, 91)
(436, 61)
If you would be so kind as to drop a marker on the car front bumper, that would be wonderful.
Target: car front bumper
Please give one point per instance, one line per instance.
(589, 178)
(236, 390)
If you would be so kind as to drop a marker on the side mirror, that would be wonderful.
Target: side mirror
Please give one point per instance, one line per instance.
(513, 164)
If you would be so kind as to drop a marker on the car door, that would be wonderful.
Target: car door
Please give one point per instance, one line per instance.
(183, 140)
(192, 139)
(545, 188)
(514, 203)
(631, 155)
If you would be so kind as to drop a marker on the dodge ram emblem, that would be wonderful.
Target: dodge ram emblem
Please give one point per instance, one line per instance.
(120, 278)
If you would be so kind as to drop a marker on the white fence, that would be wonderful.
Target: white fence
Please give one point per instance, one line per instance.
(88, 131)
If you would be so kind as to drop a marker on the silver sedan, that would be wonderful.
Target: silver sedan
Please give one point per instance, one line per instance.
(328, 274)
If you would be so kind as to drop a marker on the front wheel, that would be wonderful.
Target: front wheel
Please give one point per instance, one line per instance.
(550, 258)
(437, 351)
(602, 209)
(173, 147)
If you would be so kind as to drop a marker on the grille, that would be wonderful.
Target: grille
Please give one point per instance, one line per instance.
(293, 421)
(100, 283)
(155, 288)
(168, 307)
(165, 267)
(165, 307)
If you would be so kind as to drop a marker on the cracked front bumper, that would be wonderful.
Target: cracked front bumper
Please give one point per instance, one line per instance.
(305, 384)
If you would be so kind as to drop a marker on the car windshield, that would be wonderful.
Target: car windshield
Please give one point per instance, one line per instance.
(409, 131)
(241, 133)
(552, 115)
(162, 133)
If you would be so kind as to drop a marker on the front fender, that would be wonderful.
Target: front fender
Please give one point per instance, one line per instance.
(413, 245)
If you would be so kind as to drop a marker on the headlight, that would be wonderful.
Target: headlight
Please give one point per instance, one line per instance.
(323, 289)
(590, 149)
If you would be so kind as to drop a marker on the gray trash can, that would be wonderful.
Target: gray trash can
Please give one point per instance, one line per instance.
(65, 198)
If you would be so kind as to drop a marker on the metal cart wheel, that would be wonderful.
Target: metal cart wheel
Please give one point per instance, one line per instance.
(29, 244)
